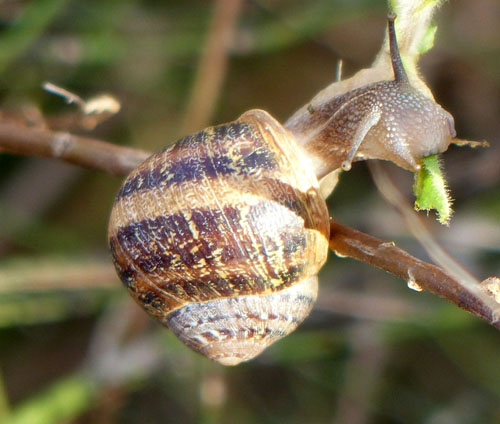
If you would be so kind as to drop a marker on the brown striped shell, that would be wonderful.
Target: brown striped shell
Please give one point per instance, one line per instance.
(220, 237)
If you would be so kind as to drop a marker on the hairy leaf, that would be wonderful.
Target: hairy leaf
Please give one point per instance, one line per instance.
(430, 189)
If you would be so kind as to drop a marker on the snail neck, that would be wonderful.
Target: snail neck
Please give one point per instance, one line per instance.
(326, 131)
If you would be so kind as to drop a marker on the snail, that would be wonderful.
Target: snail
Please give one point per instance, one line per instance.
(220, 236)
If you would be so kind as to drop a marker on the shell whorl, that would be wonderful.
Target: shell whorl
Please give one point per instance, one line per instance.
(235, 329)
(220, 219)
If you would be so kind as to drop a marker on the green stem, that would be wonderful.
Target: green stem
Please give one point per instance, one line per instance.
(65, 400)
(4, 400)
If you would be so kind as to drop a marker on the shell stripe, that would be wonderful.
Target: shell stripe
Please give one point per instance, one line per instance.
(199, 235)
(189, 196)
(191, 160)
(196, 258)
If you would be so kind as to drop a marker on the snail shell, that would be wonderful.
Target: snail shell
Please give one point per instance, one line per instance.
(220, 237)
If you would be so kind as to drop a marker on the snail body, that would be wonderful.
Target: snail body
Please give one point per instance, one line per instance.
(387, 120)
(220, 236)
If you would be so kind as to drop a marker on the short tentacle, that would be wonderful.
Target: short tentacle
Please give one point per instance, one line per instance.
(367, 123)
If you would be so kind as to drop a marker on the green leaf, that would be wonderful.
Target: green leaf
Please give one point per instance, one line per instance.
(430, 189)
(427, 41)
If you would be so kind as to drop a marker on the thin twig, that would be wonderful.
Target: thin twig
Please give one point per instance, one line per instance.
(439, 255)
(82, 151)
(367, 306)
(362, 374)
(51, 274)
(391, 193)
(387, 256)
(62, 92)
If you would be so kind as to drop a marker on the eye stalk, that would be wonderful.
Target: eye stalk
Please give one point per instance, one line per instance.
(400, 75)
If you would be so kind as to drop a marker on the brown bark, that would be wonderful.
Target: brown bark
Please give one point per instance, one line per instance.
(346, 241)
(82, 151)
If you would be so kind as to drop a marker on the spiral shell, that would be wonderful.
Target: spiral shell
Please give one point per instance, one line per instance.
(220, 237)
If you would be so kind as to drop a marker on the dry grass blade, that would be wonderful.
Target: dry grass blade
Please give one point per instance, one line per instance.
(212, 67)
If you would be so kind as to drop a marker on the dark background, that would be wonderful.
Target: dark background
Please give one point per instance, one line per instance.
(372, 351)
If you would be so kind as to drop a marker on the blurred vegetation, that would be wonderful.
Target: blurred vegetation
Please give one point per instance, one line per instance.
(73, 346)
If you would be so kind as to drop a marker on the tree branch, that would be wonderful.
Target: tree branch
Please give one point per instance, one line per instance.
(82, 151)
(345, 241)
(119, 160)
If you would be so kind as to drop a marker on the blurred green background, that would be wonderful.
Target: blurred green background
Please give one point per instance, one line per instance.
(75, 349)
